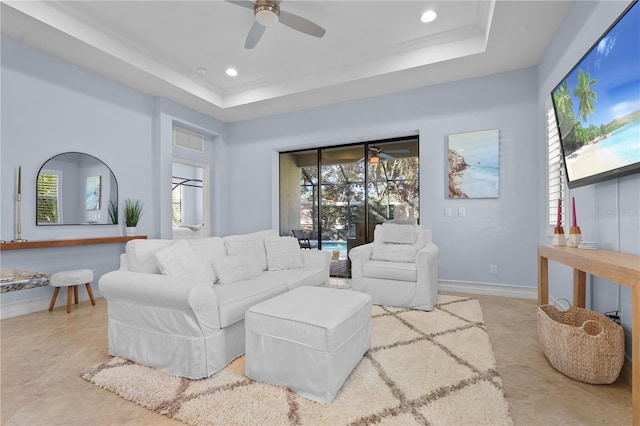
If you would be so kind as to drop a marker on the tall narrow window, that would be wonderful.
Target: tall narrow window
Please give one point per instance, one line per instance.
(176, 202)
(556, 181)
(48, 197)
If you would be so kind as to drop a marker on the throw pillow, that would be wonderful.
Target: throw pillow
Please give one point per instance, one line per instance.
(252, 249)
(283, 253)
(231, 269)
(179, 260)
(398, 234)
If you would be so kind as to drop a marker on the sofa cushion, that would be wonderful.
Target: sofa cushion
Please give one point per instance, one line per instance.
(208, 249)
(234, 300)
(283, 253)
(231, 269)
(293, 278)
(252, 250)
(141, 254)
(390, 270)
(179, 260)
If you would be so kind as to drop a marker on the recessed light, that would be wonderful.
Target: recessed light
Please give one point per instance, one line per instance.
(232, 72)
(201, 71)
(428, 16)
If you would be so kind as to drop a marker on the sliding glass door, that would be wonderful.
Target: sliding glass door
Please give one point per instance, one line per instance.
(335, 196)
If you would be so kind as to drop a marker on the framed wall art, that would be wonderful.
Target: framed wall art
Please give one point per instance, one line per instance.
(474, 164)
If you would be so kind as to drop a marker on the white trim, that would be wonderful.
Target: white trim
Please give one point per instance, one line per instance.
(29, 306)
(490, 289)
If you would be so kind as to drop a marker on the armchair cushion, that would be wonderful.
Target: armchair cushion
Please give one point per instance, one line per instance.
(385, 250)
(390, 270)
(398, 234)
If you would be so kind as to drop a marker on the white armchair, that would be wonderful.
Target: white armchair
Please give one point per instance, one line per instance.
(400, 267)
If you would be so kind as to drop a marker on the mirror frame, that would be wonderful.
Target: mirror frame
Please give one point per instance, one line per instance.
(104, 203)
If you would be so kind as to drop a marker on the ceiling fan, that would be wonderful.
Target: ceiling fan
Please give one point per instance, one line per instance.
(377, 153)
(267, 13)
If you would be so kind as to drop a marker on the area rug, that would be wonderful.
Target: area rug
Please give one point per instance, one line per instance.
(424, 368)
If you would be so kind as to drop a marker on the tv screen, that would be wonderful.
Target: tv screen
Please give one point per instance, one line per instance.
(597, 106)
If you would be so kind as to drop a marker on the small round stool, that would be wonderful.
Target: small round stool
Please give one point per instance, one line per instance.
(71, 279)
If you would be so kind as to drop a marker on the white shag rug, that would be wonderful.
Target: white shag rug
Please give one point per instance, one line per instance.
(424, 368)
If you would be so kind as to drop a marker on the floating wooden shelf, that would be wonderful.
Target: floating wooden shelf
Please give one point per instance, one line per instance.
(67, 243)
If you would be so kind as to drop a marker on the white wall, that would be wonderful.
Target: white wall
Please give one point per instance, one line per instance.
(49, 107)
(608, 212)
(498, 231)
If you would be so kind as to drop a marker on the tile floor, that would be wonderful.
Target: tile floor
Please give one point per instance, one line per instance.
(42, 354)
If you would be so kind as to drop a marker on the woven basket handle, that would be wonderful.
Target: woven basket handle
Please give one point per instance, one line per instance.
(555, 305)
(592, 328)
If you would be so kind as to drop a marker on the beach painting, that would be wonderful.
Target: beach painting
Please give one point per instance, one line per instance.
(474, 164)
(92, 196)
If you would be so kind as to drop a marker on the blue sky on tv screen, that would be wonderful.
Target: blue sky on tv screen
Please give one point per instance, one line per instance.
(615, 64)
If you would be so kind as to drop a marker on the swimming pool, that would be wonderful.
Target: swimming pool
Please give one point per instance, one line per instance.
(340, 246)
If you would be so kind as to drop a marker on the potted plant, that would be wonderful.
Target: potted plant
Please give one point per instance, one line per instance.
(113, 211)
(132, 213)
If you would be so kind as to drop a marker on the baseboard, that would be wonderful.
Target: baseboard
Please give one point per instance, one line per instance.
(489, 289)
(24, 307)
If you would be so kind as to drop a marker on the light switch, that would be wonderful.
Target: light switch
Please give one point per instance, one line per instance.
(461, 211)
(447, 211)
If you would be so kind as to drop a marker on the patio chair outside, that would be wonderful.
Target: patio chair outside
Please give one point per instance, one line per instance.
(302, 239)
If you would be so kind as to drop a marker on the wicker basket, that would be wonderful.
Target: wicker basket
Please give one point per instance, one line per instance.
(581, 344)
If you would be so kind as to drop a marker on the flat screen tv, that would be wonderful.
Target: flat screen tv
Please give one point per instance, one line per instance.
(597, 106)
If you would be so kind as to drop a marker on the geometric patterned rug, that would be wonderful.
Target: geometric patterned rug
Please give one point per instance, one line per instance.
(423, 368)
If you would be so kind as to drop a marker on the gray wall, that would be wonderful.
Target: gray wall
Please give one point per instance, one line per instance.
(608, 212)
(49, 107)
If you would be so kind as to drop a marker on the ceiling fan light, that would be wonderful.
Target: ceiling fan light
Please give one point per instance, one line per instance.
(374, 159)
(266, 16)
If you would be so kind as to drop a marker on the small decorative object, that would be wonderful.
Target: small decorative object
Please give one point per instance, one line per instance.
(19, 238)
(575, 236)
(132, 213)
(558, 231)
(113, 211)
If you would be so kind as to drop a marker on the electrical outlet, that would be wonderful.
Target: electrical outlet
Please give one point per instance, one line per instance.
(447, 211)
(461, 211)
(493, 270)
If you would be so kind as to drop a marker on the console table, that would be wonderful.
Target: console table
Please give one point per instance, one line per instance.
(620, 268)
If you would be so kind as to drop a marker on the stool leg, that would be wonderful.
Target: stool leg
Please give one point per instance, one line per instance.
(88, 285)
(53, 298)
(69, 290)
(75, 294)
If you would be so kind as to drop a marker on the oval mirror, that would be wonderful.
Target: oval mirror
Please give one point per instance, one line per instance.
(74, 188)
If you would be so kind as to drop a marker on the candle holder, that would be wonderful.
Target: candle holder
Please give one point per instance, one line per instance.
(558, 236)
(575, 237)
(19, 238)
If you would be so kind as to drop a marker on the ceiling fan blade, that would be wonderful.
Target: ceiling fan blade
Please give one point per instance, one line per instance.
(386, 156)
(255, 33)
(397, 151)
(244, 3)
(301, 24)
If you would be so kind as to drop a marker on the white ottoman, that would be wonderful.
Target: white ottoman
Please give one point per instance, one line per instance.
(308, 339)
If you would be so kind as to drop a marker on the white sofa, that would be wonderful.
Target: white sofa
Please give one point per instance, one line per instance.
(165, 311)
(399, 268)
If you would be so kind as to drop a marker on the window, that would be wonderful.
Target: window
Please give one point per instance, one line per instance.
(176, 201)
(49, 190)
(556, 181)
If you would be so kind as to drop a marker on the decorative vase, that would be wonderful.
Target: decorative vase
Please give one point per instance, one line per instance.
(558, 236)
(575, 237)
(130, 231)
